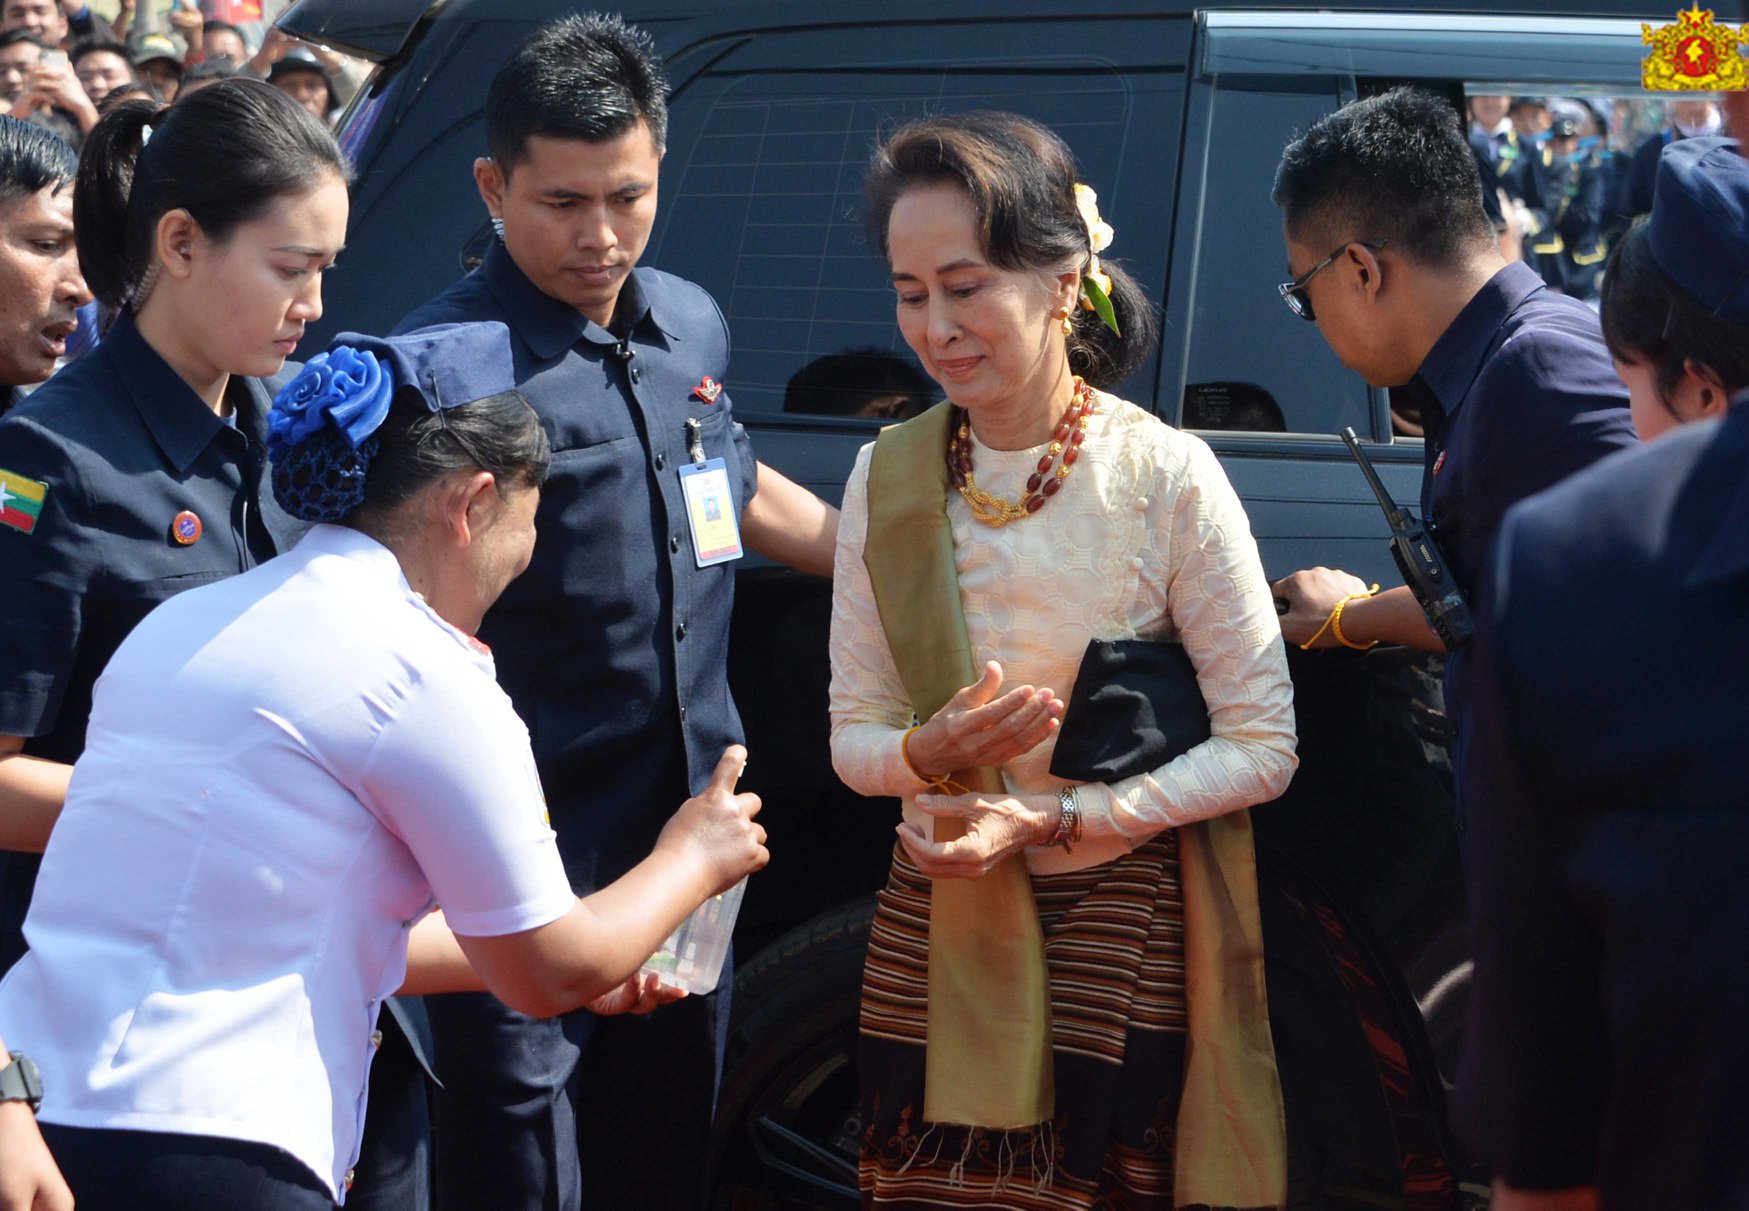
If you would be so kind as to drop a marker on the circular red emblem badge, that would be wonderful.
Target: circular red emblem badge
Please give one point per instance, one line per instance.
(1695, 57)
(185, 529)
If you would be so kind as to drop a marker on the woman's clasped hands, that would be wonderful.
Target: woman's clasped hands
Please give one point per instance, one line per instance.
(979, 728)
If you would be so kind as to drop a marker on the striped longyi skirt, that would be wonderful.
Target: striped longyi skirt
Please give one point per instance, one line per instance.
(1114, 946)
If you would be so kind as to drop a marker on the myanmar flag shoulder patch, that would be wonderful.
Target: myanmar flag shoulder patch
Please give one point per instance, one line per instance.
(21, 500)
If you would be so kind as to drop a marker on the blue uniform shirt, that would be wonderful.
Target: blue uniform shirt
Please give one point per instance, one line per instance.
(1516, 395)
(1609, 829)
(612, 645)
(123, 447)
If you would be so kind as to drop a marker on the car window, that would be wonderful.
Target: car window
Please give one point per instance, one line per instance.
(1250, 364)
(763, 207)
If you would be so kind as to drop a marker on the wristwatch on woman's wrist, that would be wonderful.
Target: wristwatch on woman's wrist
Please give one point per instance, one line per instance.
(20, 1082)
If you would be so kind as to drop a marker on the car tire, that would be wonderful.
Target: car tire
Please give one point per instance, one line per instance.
(787, 1125)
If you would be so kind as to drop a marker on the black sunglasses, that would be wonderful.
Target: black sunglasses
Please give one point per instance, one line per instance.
(1294, 293)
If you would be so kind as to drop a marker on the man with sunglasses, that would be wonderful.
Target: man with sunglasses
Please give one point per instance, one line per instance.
(1393, 258)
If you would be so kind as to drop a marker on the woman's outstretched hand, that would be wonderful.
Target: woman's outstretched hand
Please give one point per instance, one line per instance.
(978, 728)
(996, 826)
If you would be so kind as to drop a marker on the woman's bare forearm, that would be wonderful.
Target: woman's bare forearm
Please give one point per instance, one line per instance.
(32, 793)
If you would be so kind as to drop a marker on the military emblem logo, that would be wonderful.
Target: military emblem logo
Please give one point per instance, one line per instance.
(1694, 55)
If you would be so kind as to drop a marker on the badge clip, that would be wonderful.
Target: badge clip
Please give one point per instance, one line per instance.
(695, 441)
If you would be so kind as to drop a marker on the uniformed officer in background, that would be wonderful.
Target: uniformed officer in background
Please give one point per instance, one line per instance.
(1606, 794)
(613, 644)
(1568, 246)
(1396, 263)
(140, 471)
(1689, 118)
(41, 287)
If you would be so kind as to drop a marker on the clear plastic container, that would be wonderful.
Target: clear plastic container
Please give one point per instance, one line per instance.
(692, 957)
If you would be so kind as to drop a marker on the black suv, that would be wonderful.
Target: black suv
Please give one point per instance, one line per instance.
(1178, 113)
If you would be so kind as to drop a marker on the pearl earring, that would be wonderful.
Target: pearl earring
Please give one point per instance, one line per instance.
(498, 228)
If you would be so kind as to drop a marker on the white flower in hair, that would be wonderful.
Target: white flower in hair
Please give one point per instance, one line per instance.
(1099, 232)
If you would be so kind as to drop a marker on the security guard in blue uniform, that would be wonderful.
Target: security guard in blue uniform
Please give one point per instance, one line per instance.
(1569, 249)
(141, 470)
(612, 645)
(1607, 796)
(1513, 382)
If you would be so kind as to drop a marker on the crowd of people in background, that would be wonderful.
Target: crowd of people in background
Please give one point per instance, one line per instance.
(1563, 178)
(63, 66)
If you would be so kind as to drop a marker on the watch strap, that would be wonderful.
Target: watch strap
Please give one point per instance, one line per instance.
(20, 1082)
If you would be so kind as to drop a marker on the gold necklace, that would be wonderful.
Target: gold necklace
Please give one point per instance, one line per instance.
(998, 511)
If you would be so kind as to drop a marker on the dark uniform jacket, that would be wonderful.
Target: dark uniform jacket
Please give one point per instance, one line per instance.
(1608, 807)
(121, 446)
(612, 645)
(1517, 394)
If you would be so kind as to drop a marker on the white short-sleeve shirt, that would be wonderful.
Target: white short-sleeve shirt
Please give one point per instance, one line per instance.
(284, 771)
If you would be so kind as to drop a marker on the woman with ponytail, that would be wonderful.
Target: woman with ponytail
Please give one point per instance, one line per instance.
(1053, 640)
(141, 470)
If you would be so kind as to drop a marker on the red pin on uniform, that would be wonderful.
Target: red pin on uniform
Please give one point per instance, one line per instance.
(708, 390)
(185, 528)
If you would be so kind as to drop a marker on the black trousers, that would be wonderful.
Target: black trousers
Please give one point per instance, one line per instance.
(110, 1170)
(574, 1112)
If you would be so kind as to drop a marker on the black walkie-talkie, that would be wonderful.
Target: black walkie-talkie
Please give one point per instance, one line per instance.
(1420, 560)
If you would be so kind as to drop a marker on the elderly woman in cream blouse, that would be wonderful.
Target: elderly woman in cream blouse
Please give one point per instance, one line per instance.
(1026, 1011)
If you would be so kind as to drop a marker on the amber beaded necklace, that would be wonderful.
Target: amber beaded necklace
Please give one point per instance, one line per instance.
(1043, 484)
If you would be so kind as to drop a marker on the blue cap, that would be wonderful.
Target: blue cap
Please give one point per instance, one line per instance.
(450, 364)
(1699, 229)
(321, 433)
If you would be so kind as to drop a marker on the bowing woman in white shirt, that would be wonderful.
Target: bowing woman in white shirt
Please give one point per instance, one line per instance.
(990, 549)
(285, 772)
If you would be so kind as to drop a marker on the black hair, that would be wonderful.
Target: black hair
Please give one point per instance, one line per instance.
(92, 46)
(219, 27)
(1021, 180)
(225, 155)
(13, 37)
(1397, 167)
(121, 94)
(589, 77)
(1519, 103)
(417, 447)
(1649, 320)
(32, 159)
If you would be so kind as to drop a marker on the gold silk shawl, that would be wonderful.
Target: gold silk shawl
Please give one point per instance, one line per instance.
(988, 1058)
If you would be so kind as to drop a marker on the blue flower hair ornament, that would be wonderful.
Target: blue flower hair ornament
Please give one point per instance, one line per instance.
(322, 430)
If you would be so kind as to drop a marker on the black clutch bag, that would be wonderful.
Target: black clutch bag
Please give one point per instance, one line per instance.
(1136, 706)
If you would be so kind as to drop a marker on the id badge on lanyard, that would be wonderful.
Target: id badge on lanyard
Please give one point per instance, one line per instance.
(710, 505)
